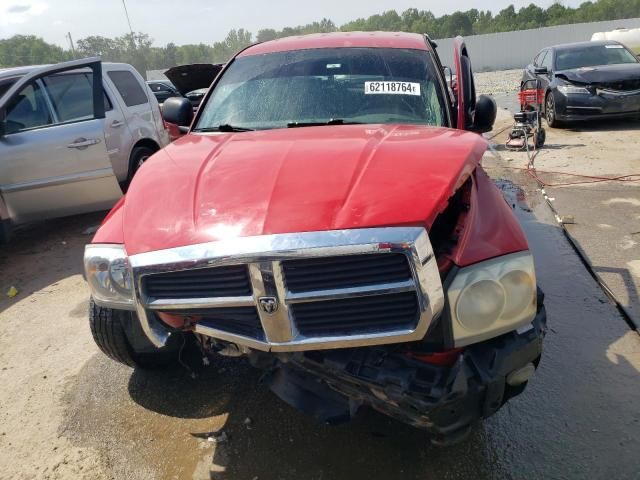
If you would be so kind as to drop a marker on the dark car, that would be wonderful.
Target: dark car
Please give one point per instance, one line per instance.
(193, 80)
(587, 81)
(196, 96)
(163, 90)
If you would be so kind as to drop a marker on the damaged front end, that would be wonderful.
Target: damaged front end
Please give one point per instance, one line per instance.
(585, 98)
(445, 393)
(436, 329)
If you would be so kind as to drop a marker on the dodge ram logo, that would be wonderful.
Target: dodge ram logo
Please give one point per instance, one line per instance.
(268, 304)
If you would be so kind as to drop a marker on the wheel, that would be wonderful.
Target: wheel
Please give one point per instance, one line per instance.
(119, 335)
(138, 156)
(550, 111)
(541, 136)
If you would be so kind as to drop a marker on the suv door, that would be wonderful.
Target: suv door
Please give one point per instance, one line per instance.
(53, 159)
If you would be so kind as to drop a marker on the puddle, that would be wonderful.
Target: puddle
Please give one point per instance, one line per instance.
(516, 195)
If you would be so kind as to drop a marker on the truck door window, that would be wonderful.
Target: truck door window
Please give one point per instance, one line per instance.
(28, 110)
(128, 87)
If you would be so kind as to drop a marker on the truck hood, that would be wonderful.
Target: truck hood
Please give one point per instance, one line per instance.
(209, 187)
(602, 75)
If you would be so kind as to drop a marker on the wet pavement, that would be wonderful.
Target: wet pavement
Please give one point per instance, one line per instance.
(579, 417)
(602, 218)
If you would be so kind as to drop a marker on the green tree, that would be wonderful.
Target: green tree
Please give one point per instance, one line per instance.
(29, 50)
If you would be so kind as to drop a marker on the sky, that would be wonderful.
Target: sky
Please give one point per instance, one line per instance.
(195, 21)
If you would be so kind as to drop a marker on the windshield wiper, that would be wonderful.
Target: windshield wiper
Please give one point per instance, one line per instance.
(333, 121)
(225, 127)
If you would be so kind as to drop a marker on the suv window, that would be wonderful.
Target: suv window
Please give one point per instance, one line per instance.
(128, 87)
(28, 110)
(71, 95)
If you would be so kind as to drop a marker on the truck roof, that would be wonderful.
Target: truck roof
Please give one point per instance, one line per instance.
(414, 41)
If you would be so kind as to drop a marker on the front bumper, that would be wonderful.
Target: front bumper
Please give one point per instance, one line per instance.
(446, 401)
(605, 104)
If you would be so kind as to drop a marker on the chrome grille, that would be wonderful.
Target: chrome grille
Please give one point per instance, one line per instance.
(344, 272)
(298, 291)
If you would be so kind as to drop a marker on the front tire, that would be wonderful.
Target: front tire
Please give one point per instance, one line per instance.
(113, 332)
(550, 112)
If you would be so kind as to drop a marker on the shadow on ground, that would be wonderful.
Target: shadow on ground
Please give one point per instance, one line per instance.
(61, 240)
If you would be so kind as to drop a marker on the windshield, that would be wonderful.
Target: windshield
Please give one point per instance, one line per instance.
(332, 85)
(593, 56)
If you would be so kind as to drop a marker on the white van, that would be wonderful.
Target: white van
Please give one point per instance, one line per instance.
(71, 137)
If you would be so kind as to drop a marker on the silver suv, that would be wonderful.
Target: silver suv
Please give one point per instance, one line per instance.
(71, 137)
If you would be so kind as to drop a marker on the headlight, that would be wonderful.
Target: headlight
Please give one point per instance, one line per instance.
(573, 90)
(492, 298)
(109, 275)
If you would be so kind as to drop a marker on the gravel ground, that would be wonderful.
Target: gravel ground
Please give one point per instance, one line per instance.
(503, 82)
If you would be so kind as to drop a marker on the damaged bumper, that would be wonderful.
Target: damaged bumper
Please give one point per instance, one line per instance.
(445, 400)
(603, 104)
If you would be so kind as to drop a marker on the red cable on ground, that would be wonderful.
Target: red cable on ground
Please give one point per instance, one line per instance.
(533, 172)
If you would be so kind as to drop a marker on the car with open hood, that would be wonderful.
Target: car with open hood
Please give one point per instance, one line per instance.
(326, 215)
(587, 81)
(193, 80)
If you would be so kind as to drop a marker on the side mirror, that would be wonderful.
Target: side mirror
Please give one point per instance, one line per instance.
(484, 115)
(177, 110)
(541, 70)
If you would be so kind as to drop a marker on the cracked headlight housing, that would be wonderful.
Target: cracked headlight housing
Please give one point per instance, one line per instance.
(109, 276)
(492, 297)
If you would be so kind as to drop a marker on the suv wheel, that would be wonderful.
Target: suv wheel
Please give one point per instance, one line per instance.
(119, 335)
(139, 155)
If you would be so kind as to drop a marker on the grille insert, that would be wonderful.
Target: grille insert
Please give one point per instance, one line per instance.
(238, 320)
(354, 316)
(228, 281)
(345, 271)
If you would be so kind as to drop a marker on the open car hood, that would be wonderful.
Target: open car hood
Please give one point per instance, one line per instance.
(187, 78)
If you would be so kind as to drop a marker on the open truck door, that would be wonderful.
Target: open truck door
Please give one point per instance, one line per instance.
(53, 158)
(475, 114)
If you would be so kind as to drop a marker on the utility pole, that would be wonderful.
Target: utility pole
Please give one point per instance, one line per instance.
(133, 37)
(73, 49)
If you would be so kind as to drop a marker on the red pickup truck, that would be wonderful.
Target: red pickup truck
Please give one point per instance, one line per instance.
(326, 215)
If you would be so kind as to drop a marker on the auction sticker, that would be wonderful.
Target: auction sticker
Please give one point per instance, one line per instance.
(391, 88)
